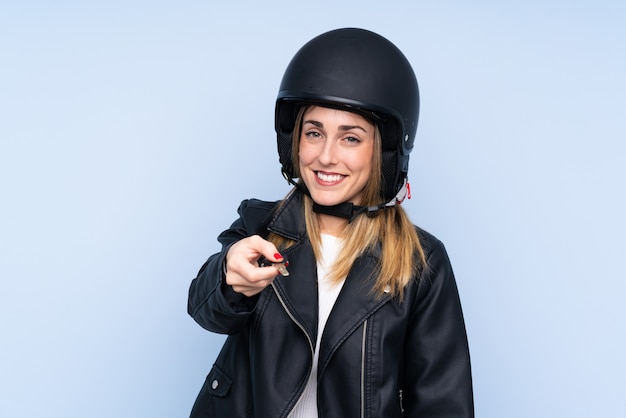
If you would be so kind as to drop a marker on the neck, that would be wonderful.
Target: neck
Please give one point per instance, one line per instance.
(331, 225)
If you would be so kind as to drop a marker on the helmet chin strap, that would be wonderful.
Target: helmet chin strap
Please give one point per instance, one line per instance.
(350, 211)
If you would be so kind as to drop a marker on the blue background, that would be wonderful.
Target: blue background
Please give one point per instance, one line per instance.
(130, 131)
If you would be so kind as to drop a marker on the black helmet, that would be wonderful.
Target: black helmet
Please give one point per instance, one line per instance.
(356, 70)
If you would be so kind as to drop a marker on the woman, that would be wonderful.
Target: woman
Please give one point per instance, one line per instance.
(334, 303)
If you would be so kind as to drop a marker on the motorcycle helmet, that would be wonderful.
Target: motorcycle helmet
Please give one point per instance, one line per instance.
(360, 71)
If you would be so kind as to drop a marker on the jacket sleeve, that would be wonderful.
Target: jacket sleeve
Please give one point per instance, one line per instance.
(212, 303)
(438, 380)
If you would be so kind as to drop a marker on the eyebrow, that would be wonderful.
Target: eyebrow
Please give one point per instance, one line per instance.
(320, 125)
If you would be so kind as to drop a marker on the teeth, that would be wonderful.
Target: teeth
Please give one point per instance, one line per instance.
(329, 178)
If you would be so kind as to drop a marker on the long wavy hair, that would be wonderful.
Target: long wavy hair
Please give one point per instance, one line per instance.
(402, 256)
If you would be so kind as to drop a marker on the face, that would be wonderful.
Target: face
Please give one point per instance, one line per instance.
(335, 155)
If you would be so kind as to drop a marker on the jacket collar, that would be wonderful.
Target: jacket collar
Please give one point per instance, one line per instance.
(288, 219)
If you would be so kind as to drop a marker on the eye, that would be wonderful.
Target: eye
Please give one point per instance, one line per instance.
(352, 140)
(312, 134)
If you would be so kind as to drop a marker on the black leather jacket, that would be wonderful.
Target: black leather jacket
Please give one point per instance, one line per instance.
(377, 357)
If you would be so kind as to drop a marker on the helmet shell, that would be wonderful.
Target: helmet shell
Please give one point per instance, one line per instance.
(356, 70)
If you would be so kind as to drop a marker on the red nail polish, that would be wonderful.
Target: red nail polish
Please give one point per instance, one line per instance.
(277, 256)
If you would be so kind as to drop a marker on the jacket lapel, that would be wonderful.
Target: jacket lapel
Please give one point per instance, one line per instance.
(298, 291)
(354, 305)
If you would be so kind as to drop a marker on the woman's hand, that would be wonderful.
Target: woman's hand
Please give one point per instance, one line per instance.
(242, 269)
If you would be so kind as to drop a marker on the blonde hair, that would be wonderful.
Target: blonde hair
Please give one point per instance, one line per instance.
(391, 229)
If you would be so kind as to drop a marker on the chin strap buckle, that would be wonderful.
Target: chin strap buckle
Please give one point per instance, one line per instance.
(403, 193)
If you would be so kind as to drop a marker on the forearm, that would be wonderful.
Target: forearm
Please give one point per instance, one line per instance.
(213, 304)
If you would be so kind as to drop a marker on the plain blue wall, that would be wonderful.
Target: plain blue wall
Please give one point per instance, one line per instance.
(130, 131)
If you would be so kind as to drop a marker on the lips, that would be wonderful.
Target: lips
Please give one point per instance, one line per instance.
(329, 178)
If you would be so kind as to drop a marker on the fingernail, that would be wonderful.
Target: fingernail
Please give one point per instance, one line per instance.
(277, 256)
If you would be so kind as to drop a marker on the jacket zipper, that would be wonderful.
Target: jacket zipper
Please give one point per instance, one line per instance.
(282, 302)
(363, 369)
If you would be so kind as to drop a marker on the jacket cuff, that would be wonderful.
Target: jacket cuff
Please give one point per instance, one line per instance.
(239, 302)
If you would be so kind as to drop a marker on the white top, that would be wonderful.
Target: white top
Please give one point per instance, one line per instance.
(327, 294)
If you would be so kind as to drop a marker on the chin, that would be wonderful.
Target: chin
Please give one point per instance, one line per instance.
(325, 201)
(328, 198)
(331, 202)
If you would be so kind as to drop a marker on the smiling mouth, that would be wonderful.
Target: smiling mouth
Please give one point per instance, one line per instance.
(328, 178)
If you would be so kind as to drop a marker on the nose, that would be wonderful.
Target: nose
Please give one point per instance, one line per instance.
(328, 153)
